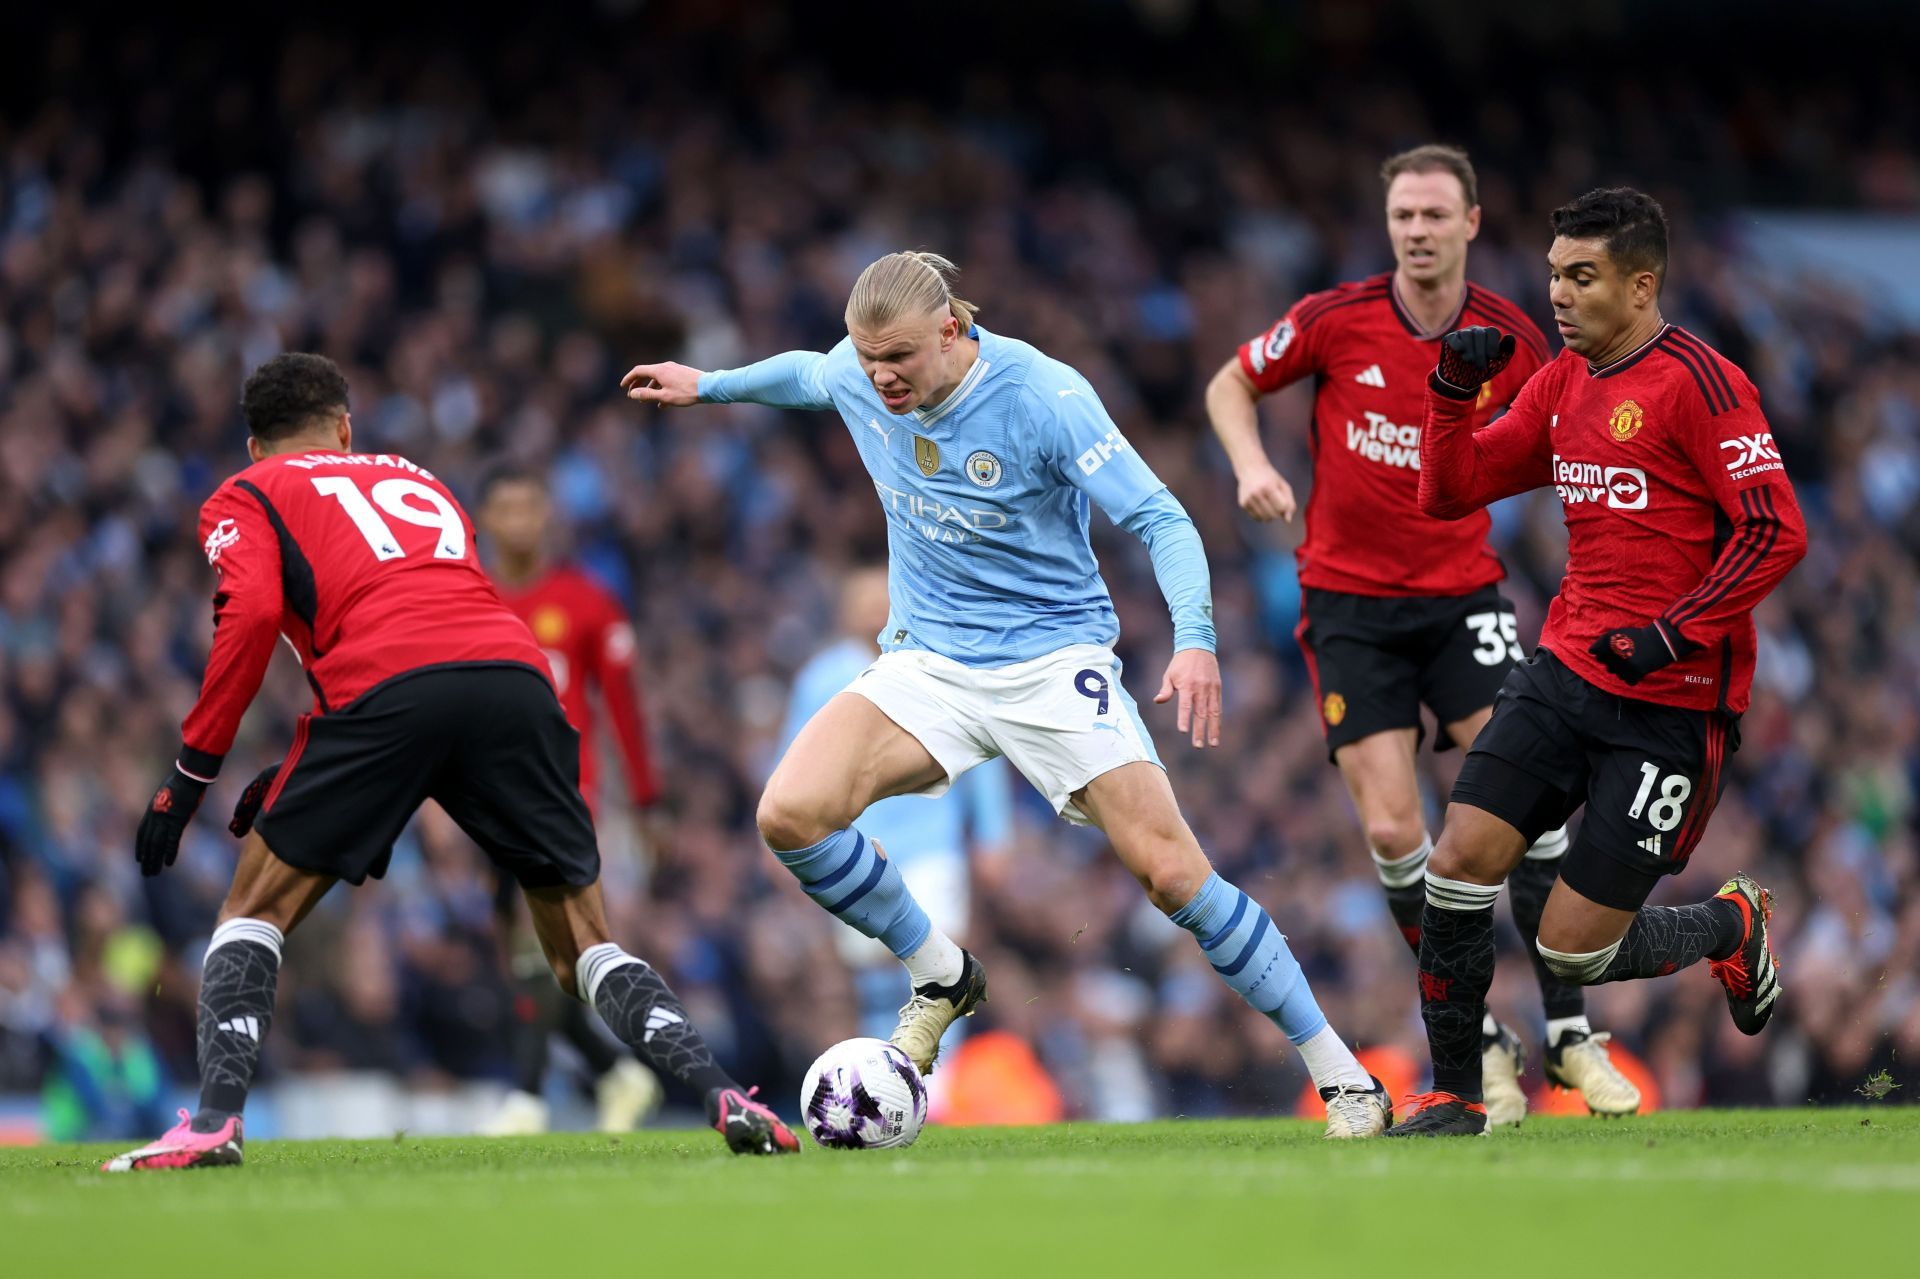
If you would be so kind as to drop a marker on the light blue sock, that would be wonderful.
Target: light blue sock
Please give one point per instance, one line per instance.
(1252, 957)
(846, 874)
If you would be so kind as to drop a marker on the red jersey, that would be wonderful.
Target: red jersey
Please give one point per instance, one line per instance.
(1676, 502)
(363, 562)
(1366, 534)
(587, 639)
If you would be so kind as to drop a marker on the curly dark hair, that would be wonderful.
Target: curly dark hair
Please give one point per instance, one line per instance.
(1631, 223)
(291, 393)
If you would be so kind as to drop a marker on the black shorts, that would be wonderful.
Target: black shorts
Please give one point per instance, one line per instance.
(487, 741)
(1375, 659)
(1648, 774)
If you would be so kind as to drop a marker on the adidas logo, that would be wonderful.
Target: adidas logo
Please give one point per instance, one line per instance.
(658, 1019)
(1372, 376)
(248, 1026)
(1651, 844)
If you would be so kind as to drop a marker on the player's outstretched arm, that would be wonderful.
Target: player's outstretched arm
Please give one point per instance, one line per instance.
(1462, 470)
(1231, 399)
(790, 380)
(671, 386)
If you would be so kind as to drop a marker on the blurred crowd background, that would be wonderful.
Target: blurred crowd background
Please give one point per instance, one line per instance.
(487, 227)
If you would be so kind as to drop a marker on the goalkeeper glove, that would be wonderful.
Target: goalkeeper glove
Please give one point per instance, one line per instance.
(1469, 357)
(1634, 652)
(157, 842)
(250, 800)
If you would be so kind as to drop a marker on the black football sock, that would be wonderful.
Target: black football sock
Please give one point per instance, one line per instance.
(1405, 882)
(237, 985)
(1456, 970)
(643, 1013)
(1665, 939)
(538, 1006)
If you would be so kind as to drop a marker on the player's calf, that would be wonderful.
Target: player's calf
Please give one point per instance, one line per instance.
(643, 1012)
(237, 985)
(1250, 954)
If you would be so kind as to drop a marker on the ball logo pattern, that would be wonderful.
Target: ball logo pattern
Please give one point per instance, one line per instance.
(863, 1094)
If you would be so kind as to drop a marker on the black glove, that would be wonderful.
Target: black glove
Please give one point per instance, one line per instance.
(250, 800)
(1635, 652)
(157, 842)
(1469, 357)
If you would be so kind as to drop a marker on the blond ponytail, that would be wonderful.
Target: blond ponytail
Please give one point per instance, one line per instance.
(913, 282)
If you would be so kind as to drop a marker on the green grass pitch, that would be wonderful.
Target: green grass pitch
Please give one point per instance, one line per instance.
(1808, 1194)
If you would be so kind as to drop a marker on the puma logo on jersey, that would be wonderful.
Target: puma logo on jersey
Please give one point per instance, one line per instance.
(1372, 376)
(1386, 442)
(886, 433)
(224, 534)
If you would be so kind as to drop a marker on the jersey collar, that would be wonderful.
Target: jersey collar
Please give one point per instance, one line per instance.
(975, 375)
(1411, 325)
(1631, 358)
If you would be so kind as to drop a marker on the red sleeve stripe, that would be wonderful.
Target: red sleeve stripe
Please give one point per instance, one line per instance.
(1509, 320)
(1699, 361)
(1754, 542)
(1321, 303)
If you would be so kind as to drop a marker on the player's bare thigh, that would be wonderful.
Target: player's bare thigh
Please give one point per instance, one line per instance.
(268, 889)
(848, 756)
(1134, 806)
(1476, 847)
(1379, 773)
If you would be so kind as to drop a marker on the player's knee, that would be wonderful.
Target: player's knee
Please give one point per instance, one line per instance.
(1394, 835)
(1173, 879)
(788, 822)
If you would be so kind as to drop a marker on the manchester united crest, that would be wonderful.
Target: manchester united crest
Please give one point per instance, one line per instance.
(1333, 709)
(1625, 422)
(926, 454)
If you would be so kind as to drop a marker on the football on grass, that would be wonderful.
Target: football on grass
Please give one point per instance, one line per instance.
(863, 1094)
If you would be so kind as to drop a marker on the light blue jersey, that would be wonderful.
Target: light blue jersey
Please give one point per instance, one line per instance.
(977, 811)
(987, 496)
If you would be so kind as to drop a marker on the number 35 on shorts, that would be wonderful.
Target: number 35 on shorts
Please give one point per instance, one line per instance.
(1498, 638)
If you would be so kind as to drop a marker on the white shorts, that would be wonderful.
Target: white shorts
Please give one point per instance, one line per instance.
(1061, 720)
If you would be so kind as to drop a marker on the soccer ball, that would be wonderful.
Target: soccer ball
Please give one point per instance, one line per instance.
(863, 1094)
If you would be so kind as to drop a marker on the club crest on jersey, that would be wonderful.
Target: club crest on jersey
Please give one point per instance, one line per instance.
(549, 624)
(983, 468)
(1625, 422)
(1485, 397)
(224, 534)
(1333, 709)
(926, 454)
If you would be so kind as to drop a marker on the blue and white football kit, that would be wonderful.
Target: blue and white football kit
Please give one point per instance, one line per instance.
(999, 640)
